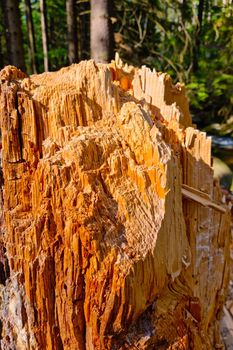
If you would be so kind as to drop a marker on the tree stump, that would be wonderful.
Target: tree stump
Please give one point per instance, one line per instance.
(114, 234)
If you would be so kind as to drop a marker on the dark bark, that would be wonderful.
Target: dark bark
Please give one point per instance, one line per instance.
(83, 25)
(1, 52)
(101, 30)
(14, 37)
(197, 44)
(184, 11)
(1, 36)
(44, 29)
(200, 12)
(72, 31)
(84, 30)
(31, 36)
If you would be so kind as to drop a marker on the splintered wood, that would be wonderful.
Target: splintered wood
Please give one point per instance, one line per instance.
(114, 230)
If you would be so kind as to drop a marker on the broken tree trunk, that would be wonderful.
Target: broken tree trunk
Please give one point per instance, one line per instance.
(114, 234)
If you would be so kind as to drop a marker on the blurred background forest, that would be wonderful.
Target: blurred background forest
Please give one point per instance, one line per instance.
(192, 40)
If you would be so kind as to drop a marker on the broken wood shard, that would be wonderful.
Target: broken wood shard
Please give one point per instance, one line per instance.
(201, 197)
(100, 250)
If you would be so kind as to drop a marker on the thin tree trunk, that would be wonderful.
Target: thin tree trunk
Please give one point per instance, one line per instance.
(30, 33)
(183, 11)
(200, 12)
(197, 43)
(1, 53)
(14, 34)
(1, 36)
(101, 31)
(83, 25)
(72, 31)
(44, 34)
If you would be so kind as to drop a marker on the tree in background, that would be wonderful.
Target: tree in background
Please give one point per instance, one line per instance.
(57, 34)
(44, 30)
(83, 24)
(197, 40)
(101, 31)
(2, 37)
(190, 39)
(13, 33)
(72, 31)
(31, 36)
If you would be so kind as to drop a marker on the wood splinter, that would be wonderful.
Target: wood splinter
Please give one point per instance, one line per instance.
(201, 197)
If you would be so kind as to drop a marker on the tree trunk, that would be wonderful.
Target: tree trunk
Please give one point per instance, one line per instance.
(197, 43)
(31, 36)
(101, 31)
(115, 231)
(72, 31)
(1, 53)
(44, 30)
(1, 36)
(83, 25)
(14, 34)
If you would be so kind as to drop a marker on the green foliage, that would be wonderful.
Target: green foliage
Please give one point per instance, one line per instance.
(38, 39)
(168, 36)
(57, 33)
(56, 20)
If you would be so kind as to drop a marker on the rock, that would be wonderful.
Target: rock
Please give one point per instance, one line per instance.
(223, 173)
(104, 252)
